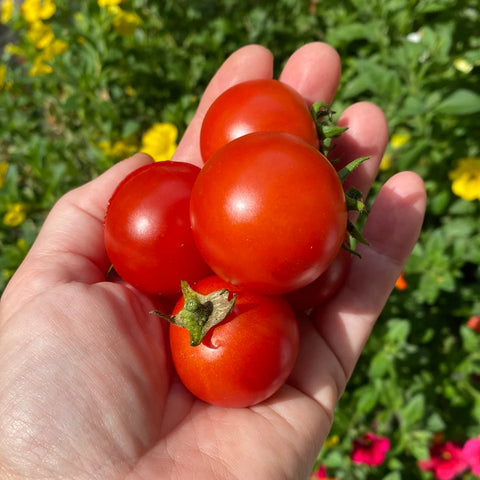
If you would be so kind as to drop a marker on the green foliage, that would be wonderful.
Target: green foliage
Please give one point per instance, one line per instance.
(419, 376)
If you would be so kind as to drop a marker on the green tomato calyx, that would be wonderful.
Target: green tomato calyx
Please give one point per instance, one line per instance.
(327, 129)
(200, 312)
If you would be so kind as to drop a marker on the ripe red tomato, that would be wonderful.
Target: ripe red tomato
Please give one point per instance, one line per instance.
(268, 212)
(147, 229)
(324, 287)
(254, 106)
(244, 359)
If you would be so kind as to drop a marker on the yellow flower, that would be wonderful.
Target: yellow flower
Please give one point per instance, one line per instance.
(386, 162)
(159, 141)
(105, 147)
(396, 141)
(33, 10)
(6, 11)
(332, 441)
(40, 34)
(3, 74)
(108, 3)
(399, 140)
(39, 67)
(125, 23)
(123, 149)
(15, 215)
(40, 64)
(3, 172)
(22, 244)
(462, 65)
(57, 47)
(120, 149)
(466, 178)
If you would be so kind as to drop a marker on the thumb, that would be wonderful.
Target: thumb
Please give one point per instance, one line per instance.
(69, 246)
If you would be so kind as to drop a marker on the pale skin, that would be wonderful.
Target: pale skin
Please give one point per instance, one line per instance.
(86, 385)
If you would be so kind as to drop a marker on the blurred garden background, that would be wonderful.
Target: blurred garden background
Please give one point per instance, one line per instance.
(85, 84)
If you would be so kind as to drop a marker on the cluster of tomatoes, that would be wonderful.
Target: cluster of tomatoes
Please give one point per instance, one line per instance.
(249, 238)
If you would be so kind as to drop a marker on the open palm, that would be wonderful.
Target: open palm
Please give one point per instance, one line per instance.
(87, 388)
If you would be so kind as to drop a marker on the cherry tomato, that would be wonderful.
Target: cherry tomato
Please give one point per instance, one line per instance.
(244, 359)
(147, 229)
(324, 287)
(254, 106)
(268, 212)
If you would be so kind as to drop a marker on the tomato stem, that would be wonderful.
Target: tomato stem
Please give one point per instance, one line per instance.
(350, 167)
(327, 129)
(200, 312)
(354, 200)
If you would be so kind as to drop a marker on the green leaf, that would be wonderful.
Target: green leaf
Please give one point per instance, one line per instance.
(345, 34)
(372, 76)
(334, 459)
(393, 476)
(470, 339)
(418, 444)
(429, 6)
(129, 128)
(379, 365)
(398, 331)
(435, 423)
(350, 167)
(367, 398)
(460, 102)
(413, 411)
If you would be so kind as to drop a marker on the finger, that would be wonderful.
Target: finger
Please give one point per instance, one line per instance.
(326, 361)
(314, 71)
(392, 230)
(69, 246)
(366, 136)
(247, 63)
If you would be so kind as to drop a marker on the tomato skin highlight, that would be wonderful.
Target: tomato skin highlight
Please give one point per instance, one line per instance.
(147, 231)
(244, 359)
(268, 212)
(254, 106)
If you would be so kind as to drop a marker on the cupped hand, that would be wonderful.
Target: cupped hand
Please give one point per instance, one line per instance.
(87, 389)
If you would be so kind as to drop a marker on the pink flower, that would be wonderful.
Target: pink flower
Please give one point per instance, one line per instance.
(446, 461)
(320, 473)
(471, 453)
(370, 449)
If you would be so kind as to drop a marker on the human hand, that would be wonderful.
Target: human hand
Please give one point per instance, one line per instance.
(87, 389)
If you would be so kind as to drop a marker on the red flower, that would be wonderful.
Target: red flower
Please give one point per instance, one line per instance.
(320, 473)
(474, 323)
(401, 283)
(471, 453)
(446, 461)
(370, 449)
